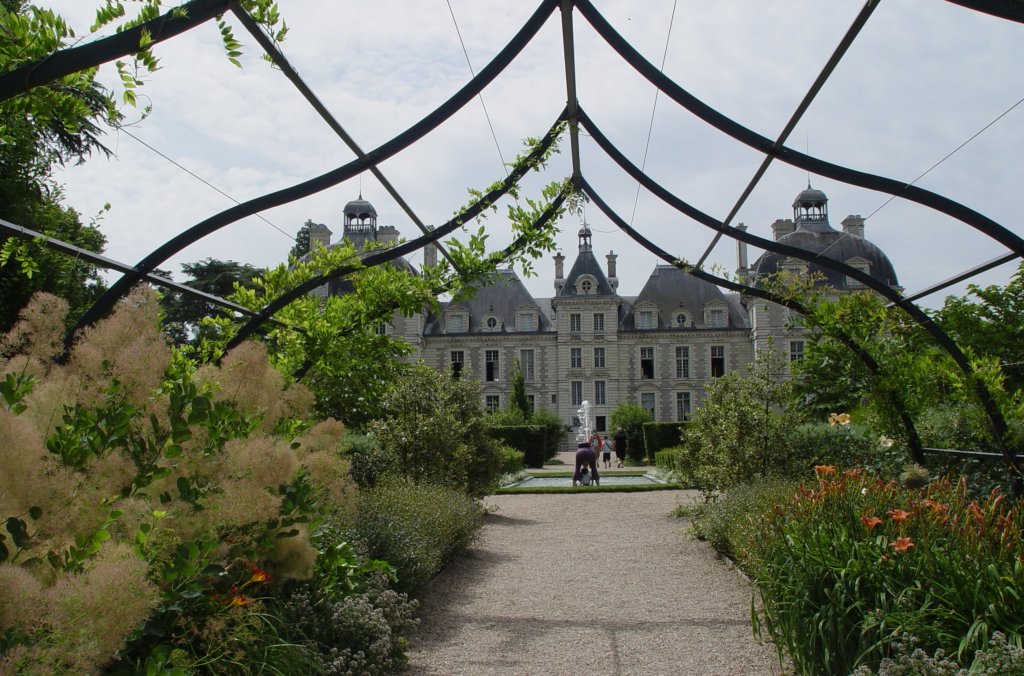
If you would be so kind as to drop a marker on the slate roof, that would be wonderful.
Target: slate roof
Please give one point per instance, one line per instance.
(839, 246)
(586, 264)
(672, 289)
(501, 298)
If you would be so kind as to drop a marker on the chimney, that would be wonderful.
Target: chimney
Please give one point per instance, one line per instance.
(742, 268)
(319, 234)
(559, 271)
(387, 234)
(782, 227)
(612, 279)
(430, 253)
(854, 225)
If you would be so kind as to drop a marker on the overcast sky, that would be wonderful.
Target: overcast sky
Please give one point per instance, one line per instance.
(922, 78)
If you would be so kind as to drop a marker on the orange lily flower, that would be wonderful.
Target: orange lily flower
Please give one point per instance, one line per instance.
(898, 515)
(870, 521)
(901, 544)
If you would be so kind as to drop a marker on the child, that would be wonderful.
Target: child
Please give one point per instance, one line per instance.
(585, 475)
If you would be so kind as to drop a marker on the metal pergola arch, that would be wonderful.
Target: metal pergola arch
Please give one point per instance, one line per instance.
(199, 11)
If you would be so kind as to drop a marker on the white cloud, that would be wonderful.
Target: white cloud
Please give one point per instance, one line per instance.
(920, 79)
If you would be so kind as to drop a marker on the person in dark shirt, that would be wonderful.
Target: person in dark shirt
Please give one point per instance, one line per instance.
(585, 456)
(620, 446)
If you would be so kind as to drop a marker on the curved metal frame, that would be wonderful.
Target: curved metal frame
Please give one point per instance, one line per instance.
(121, 287)
(196, 12)
(377, 258)
(913, 439)
(995, 417)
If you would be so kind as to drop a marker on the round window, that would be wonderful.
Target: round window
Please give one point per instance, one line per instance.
(492, 323)
(681, 319)
(586, 286)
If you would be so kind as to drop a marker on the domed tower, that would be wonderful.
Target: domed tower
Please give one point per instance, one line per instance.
(812, 232)
(360, 222)
(810, 211)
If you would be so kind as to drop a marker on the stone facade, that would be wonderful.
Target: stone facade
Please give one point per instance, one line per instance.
(660, 348)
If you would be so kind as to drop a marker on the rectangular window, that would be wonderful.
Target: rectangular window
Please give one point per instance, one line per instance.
(647, 363)
(682, 405)
(577, 392)
(575, 357)
(601, 425)
(645, 320)
(532, 400)
(456, 324)
(717, 361)
(599, 357)
(600, 396)
(575, 324)
(647, 401)
(683, 362)
(526, 364)
(381, 329)
(598, 322)
(492, 402)
(458, 361)
(491, 365)
(796, 351)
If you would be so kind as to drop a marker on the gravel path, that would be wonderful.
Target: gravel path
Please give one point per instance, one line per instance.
(604, 583)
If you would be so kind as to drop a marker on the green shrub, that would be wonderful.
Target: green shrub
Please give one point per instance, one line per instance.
(731, 522)
(659, 435)
(631, 418)
(370, 462)
(512, 460)
(852, 561)
(666, 459)
(527, 439)
(741, 431)
(417, 528)
(435, 427)
(555, 431)
(820, 443)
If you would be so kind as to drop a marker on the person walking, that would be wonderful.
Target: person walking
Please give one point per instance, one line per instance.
(620, 446)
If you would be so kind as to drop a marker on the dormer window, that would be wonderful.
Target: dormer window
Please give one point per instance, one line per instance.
(646, 319)
(526, 321)
(491, 323)
(682, 320)
(861, 264)
(586, 286)
(716, 316)
(456, 322)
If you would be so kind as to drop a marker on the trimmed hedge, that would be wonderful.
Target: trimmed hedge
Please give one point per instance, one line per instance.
(661, 435)
(536, 442)
(628, 488)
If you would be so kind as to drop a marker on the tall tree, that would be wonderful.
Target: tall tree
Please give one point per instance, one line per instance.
(301, 247)
(183, 314)
(62, 122)
(989, 321)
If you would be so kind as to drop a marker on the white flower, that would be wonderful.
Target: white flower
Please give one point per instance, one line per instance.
(885, 442)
